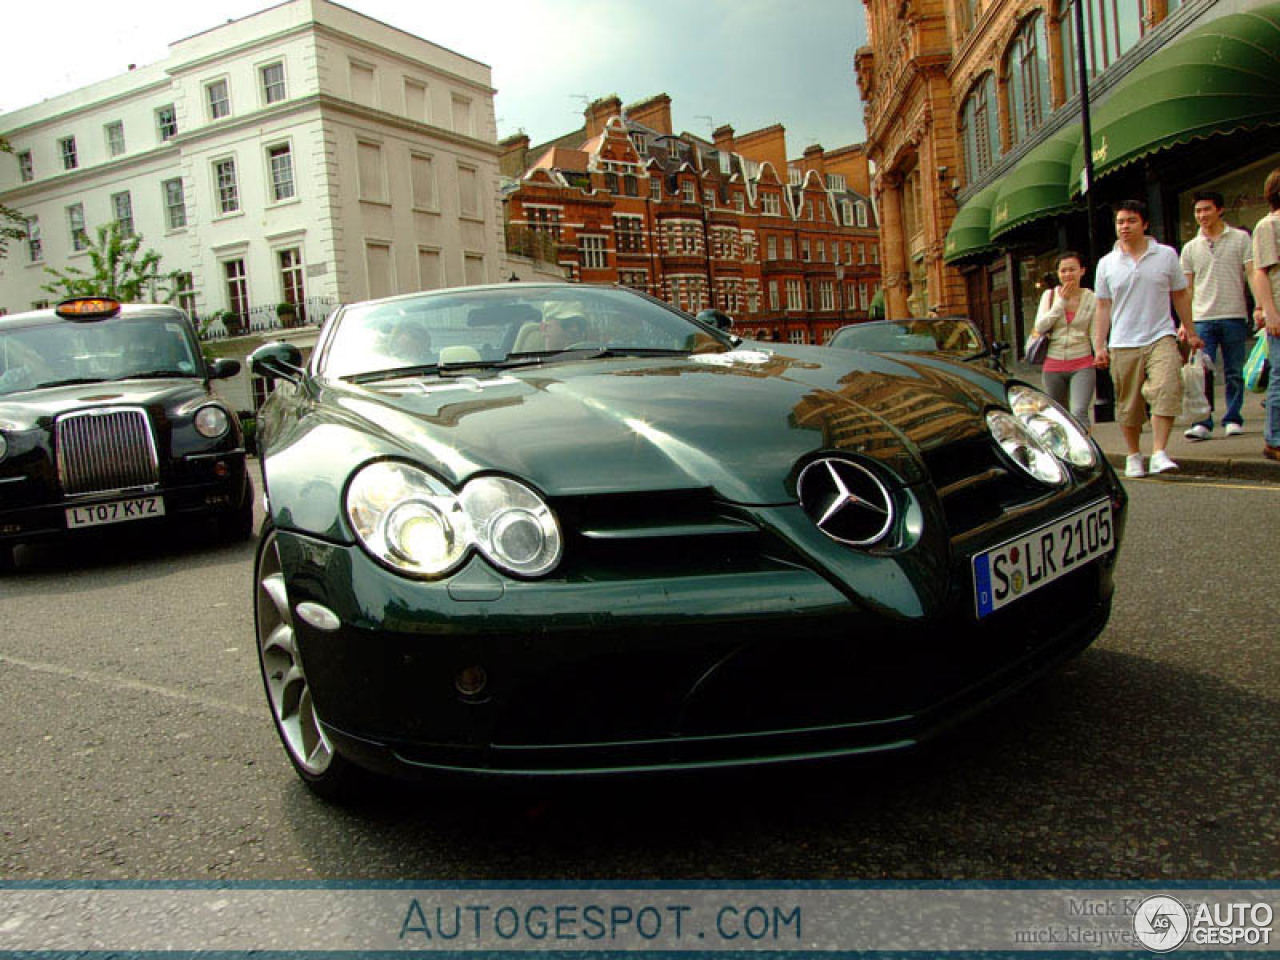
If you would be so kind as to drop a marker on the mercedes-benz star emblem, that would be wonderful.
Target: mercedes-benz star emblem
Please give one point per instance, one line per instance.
(846, 501)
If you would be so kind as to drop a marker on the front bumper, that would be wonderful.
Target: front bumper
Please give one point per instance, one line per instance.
(592, 677)
(30, 511)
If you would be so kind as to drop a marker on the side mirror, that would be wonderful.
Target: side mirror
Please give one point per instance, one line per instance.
(716, 318)
(223, 369)
(277, 361)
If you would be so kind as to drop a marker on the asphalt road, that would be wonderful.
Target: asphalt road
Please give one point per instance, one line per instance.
(137, 745)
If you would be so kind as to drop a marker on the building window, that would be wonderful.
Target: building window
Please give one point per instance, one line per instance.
(272, 76)
(422, 180)
(771, 247)
(795, 336)
(26, 167)
(826, 295)
(770, 204)
(237, 287)
(35, 246)
(822, 251)
(688, 192)
(462, 119)
(795, 295)
(219, 98)
(166, 122)
(804, 249)
(635, 279)
(966, 13)
(860, 209)
(469, 192)
(862, 252)
(115, 138)
(545, 220)
(628, 233)
(378, 263)
(788, 249)
(416, 104)
(655, 188)
(774, 302)
(979, 128)
(291, 277)
(430, 269)
(1112, 27)
(184, 285)
(75, 224)
(630, 185)
(122, 207)
(226, 186)
(67, 147)
(363, 83)
(1026, 71)
(473, 269)
(175, 206)
(593, 256)
(280, 160)
(371, 179)
(709, 199)
(611, 182)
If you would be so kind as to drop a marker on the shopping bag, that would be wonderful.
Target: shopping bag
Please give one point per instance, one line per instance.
(1195, 405)
(1256, 367)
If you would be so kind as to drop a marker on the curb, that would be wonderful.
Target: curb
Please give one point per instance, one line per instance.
(1263, 471)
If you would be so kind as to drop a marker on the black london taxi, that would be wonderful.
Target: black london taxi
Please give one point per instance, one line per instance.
(107, 418)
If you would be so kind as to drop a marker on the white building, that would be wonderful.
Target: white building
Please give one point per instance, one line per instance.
(305, 153)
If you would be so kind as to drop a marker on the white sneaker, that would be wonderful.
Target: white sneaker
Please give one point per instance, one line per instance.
(1133, 466)
(1200, 432)
(1161, 463)
(1234, 430)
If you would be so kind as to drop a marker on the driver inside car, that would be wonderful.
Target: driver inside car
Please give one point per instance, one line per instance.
(560, 332)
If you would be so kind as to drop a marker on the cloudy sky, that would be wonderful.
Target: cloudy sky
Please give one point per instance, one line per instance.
(748, 63)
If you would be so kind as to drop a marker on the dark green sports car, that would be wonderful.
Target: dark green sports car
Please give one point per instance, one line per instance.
(561, 529)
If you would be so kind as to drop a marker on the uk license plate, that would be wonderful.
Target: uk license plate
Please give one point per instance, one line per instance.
(117, 511)
(1023, 565)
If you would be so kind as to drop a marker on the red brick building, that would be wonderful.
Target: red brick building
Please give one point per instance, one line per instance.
(789, 249)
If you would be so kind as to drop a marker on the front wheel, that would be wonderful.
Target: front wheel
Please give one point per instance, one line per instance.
(326, 772)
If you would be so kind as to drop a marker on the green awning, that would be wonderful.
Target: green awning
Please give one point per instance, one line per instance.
(1039, 186)
(970, 232)
(1221, 77)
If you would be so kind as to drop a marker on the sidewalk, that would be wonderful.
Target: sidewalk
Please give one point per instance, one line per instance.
(1238, 458)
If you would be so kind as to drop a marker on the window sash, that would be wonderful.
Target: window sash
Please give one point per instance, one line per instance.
(167, 122)
(75, 223)
(67, 147)
(115, 138)
(122, 206)
(273, 83)
(237, 287)
(219, 99)
(228, 189)
(281, 159)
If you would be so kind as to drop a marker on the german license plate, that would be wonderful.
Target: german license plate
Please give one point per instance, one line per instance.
(117, 511)
(1023, 565)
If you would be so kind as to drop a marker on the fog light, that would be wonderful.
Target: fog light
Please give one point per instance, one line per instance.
(471, 681)
(216, 500)
(220, 469)
(11, 528)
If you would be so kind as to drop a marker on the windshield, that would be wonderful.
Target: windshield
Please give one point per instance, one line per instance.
(121, 348)
(954, 336)
(506, 326)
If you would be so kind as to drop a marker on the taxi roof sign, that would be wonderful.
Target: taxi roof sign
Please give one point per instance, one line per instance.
(87, 308)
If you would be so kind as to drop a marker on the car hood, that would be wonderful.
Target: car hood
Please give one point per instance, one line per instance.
(38, 408)
(738, 423)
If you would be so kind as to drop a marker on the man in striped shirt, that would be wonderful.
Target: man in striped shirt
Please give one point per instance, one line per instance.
(1218, 261)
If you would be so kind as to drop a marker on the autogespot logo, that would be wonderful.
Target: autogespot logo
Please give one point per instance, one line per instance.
(1161, 923)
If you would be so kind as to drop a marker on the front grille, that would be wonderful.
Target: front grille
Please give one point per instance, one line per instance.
(975, 485)
(103, 450)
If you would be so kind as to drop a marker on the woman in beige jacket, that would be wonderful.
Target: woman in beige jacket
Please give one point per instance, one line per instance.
(1066, 318)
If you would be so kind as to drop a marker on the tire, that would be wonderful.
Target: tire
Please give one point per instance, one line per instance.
(236, 525)
(326, 772)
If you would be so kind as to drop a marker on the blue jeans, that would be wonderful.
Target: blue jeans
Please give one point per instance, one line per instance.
(1272, 431)
(1232, 335)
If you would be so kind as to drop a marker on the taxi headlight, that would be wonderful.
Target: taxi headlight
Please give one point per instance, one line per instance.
(212, 421)
(1057, 429)
(411, 521)
(1025, 448)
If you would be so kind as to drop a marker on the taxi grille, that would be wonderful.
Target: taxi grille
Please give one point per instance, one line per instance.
(105, 450)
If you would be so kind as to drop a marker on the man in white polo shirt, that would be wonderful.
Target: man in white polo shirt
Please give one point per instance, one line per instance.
(1218, 261)
(1134, 336)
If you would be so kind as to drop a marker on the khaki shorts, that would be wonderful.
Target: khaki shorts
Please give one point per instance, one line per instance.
(1152, 373)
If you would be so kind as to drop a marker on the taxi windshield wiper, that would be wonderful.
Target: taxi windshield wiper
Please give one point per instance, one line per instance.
(596, 353)
(456, 368)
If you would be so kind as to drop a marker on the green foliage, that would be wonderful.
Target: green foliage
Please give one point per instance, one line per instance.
(13, 225)
(121, 269)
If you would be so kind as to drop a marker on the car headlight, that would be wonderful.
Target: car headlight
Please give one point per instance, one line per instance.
(411, 521)
(1024, 448)
(4, 446)
(212, 421)
(1056, 428)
